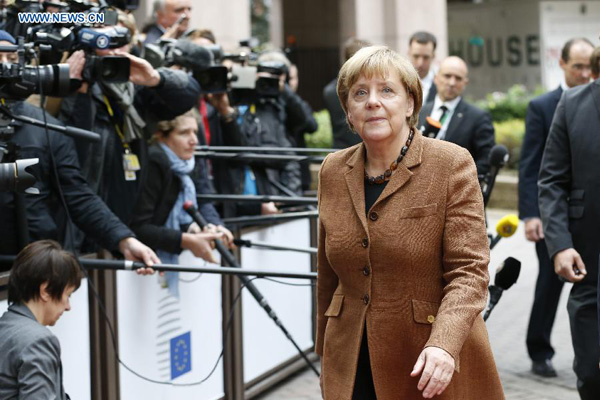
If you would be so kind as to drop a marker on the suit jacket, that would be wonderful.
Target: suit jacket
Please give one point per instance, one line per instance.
(30, 366)
(538, 119)
(343, 137)
(415, 271)
(569, 182)
(431, 94)
(471, 128)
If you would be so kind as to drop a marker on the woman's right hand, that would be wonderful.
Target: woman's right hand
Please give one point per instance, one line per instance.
(201, 244)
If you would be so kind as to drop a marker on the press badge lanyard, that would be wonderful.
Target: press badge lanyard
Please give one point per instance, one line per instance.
(131, 163)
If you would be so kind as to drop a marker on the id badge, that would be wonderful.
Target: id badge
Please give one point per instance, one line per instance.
(130, 175)
(131, 162)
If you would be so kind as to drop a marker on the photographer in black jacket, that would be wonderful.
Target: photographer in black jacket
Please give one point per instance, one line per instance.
(43, 211)
(124, 114)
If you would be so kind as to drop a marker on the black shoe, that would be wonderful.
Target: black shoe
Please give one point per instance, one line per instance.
(544, 368)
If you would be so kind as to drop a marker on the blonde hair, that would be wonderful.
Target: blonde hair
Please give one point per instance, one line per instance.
(165, 128)
(380, 61)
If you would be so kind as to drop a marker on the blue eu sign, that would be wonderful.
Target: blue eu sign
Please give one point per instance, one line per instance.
(181, 355)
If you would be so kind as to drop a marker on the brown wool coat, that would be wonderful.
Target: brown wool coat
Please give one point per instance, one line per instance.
(421, 257)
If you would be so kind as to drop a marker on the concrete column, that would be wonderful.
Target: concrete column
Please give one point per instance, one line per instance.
(229, 20)
(392, 22)
(276, 24)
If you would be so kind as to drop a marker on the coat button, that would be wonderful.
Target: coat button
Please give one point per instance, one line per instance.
(366, 299)
(366, 271)
(365, 243)
(430, 319)
(373, 216)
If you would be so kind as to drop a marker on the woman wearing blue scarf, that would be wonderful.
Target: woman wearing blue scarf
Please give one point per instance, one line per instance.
(173, 177)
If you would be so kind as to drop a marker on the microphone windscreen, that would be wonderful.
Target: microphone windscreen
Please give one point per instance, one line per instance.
(431, 127)
(507, 273)
(188, 204)
(507, 226)
(498, 156)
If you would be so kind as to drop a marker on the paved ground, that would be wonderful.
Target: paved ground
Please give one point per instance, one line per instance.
(507, 326)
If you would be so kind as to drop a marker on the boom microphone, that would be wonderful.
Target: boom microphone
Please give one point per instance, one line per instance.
(506, 227)
(188, 206)
(506, 276)
(498, 158)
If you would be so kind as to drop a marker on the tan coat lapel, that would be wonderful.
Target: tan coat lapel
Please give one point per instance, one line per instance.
(355, 180)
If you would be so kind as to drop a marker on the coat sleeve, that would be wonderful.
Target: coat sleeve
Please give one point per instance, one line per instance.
(40, 374)
(88, 211)
(554, 183)
(531, 158)
(327, 280)
(465, 258)
(177, 94)
(143, 222)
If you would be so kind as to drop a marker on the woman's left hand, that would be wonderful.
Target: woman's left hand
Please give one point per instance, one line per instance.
(437, 366)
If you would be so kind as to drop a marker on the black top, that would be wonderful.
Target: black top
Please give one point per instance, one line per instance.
(372, 193)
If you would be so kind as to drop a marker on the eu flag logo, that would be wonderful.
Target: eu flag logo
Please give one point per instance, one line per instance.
(181, 355)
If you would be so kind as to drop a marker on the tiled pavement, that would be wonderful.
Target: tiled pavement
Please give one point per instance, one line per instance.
(507, 327)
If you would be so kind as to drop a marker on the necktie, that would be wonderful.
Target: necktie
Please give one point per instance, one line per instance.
(444, 114)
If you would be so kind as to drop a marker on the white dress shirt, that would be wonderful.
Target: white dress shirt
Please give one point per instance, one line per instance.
(426, 83)
(436, 113)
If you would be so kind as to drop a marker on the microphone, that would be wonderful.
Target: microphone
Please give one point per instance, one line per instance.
(431, 127)
(189, 207)
(506, 227)
(506, 276)
(497, 159)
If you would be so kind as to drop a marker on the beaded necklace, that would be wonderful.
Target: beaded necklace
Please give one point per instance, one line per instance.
(378, 180)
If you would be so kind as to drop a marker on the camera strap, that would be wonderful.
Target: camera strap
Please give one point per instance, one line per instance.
(131, 163)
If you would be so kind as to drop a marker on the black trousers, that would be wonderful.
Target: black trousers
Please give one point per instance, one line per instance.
(363, 384)
(583, 316)
(547, 295)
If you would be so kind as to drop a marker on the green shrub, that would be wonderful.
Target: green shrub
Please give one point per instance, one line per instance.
(323, 137)
(509, 105)
(510, 133)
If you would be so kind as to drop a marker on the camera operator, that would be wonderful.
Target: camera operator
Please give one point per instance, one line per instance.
(40, 219)
(125, 115)
(263, 123)
(219, 127)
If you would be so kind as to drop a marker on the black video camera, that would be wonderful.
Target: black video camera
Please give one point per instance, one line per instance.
(54, 41)
(202, 61)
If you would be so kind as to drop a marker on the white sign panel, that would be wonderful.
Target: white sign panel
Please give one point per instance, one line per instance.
(265, 345)
(169, 339)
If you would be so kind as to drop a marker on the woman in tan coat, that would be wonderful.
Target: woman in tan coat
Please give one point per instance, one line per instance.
(403, 251)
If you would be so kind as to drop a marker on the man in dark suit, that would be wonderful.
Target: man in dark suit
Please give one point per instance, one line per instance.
(569, 190)
(172, 19)
(575, 62)
(421, 52)
(595, 63)
(343, 136)
(462, 123)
